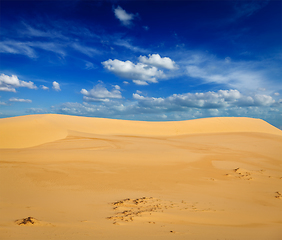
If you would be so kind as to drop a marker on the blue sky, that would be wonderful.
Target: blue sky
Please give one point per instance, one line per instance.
(142, 60)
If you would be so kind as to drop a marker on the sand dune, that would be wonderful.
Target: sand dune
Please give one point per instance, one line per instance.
(28, 131)
(67, 177)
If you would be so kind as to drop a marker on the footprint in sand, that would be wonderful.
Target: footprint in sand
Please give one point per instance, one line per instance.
(27, 221)
(31, 221)
(278, 195)
(241, 174)
(128, 209)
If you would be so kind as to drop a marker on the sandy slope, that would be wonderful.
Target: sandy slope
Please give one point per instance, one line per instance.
(65, 177)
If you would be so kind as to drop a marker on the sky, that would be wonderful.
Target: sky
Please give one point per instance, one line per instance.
(142, 60)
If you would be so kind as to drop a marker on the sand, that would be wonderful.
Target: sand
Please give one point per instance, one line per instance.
(67, 177)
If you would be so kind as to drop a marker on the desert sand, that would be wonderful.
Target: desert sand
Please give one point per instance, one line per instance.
(67, 177)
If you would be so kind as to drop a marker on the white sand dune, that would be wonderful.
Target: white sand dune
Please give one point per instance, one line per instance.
(67, 177)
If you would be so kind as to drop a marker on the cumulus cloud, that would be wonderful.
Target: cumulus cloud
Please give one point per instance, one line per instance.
(140, 82)
(137, 96)
(19, 100)
(44, 87)
(145, 71)
(123, 16)
(117, 87)
(263, 100)
(207, 100)
(7, 89)
(56, 86)
(137, 72)
(10, 83)
(101, 94)
(157, 61)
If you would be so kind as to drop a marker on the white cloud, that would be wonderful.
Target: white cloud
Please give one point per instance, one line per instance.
(50, 40)
(10, 83)
(36, 110)
(129, 70)
(230, 95)
(100, 93)
(90, 52)
(276, 94)
(15, 47)
(28, 48)
(227, 59)
(157, 61)
(246, 101)
(8, 89)
(48, 46)
(92, 99)
(123, 16)
(263, 100)
(145, 71)
(128, 45)
(44, 87)
(137, 96)
(245, 76)
(33, 32)
(19, 100)
(207, 100)
(89, 65)
(56, 86)
(140, 82)
(239, 75)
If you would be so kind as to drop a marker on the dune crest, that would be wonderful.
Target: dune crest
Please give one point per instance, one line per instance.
(33, 130)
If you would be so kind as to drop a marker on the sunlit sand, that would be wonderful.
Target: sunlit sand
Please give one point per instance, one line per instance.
(67, 177)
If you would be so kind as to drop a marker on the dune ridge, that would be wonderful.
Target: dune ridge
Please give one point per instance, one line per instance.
(32, 130)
